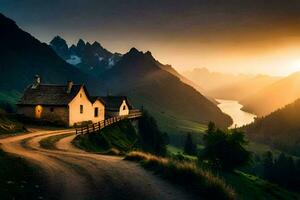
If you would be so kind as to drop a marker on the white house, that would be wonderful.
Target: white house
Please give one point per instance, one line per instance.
(69, 104)
(116, 105)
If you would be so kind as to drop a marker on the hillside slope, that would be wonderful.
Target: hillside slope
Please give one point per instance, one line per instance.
(139, 76)
(274, 96)
(280, 129)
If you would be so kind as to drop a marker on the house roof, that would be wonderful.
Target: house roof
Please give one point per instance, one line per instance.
(48, 94)
(113, 103)
(95, 98)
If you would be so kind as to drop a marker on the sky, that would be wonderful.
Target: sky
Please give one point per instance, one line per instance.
(232, 36)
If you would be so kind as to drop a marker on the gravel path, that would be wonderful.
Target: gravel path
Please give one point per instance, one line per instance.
(76, 174)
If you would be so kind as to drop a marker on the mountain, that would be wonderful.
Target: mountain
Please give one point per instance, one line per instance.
(22, 56)
(213, 80)
(280, 129)
(228, 86)
(140, 76)
(90, 58)
(274, 96)
(242, 88)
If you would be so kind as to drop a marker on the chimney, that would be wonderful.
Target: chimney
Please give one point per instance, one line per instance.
(69, 86)
(36, 81)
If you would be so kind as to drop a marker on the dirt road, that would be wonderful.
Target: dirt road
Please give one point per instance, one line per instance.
(76, 174)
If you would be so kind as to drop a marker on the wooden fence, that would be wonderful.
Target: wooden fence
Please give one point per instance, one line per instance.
(91, 128)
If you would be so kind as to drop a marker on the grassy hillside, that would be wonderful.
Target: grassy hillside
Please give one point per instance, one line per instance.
(280, 129)
(251, 187)
(121, 136)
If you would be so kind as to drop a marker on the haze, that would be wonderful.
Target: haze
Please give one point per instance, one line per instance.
(249, 36)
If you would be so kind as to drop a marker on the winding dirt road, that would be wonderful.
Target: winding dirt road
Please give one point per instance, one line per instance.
(76, 174)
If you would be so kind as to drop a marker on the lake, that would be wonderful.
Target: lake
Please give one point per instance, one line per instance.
(233, 109)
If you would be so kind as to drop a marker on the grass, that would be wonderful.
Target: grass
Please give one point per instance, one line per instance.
(252, 187)
(120, 137)
(198, 181)
(18, 180)
(49, 142)
(9, 124)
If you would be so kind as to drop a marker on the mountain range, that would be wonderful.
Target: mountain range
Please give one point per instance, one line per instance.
(90, 58)
(274, 96)
(229, 86)
(135, 74)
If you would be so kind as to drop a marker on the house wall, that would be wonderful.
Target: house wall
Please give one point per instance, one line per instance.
(101, 111)
(49, 113)
(123, 111)
(74, 109)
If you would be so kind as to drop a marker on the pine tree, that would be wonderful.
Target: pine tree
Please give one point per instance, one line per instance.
(189, 147)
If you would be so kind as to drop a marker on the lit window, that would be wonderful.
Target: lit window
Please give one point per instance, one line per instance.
(81, 109)
(96, 111)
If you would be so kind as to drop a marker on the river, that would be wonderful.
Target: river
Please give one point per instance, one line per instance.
(233, 109)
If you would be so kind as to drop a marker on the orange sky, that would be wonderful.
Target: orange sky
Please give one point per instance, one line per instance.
(249, 36)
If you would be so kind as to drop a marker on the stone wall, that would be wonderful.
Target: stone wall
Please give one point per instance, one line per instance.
(49, 113)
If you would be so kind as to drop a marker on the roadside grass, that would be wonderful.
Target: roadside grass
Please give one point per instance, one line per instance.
(9, 124)
(196, 180)
(19, 180)
(251, 187)
(118, 138)
(49, 142)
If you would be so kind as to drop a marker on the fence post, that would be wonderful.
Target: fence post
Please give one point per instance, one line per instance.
(99, 126)
(88, 131)
(76, 131)
(93, 127)
(81, 130)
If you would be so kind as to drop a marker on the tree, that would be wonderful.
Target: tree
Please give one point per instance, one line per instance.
(151, 138)
(224, 149)
(189, 146)
(268, 165)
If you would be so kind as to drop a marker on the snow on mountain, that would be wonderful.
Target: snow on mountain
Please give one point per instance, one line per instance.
(74, 60)
(90, 58)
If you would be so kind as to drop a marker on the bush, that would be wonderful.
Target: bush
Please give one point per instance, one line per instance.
(187, 174)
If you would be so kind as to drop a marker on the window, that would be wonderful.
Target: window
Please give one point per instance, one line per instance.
(124, 107)
(51, 109)
(80, 95)
(96, 111)
(81, 109)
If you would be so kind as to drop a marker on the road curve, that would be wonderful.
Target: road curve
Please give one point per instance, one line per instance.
(75, 174)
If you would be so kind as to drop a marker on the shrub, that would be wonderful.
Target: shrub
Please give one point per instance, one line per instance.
(200, 182)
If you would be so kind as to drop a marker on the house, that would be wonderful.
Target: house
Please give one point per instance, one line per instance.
(69, 104)
(116, 105)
